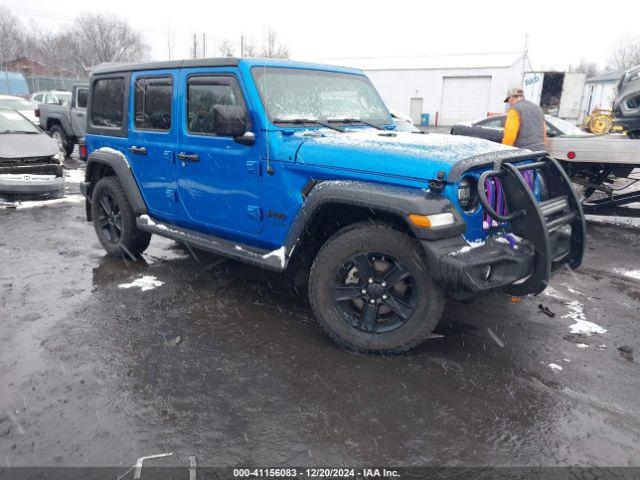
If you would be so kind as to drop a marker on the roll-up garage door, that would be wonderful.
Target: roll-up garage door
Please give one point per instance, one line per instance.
(464, 99)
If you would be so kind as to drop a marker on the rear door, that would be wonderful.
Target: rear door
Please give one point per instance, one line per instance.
(152, 139)
(532, 86)
(572, 89)
(219, 180)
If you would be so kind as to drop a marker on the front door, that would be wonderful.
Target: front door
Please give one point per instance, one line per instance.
(152, 139)
(79, 112)
(219, 179)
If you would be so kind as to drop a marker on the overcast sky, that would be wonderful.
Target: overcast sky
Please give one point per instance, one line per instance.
(560, 32)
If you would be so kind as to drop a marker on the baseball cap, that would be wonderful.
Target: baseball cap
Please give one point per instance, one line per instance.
(514, 92)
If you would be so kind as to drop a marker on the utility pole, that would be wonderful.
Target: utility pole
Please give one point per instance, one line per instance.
(204, 46)
(242, 45)
(194, 49)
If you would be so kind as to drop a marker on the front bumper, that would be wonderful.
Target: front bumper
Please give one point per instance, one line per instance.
(527, 243)
(15, 187)
(463, 267)
(496, 264)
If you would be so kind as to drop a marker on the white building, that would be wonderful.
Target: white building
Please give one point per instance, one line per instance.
(599, 92)
(450, 88)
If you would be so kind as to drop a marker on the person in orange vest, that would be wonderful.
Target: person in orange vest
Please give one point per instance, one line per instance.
(525, 126)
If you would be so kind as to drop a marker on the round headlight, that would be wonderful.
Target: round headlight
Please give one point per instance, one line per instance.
(468, 194)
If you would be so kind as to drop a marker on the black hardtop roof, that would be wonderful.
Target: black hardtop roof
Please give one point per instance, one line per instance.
(196, 62)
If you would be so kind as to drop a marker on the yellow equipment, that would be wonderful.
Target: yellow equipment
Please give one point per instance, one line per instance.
(600, 121)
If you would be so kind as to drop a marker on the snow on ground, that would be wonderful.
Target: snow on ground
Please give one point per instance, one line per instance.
(74, 176)
(635, 274)
(43, 203)
(575, 313)
(555, 367)
(617, 221)
(147, 282)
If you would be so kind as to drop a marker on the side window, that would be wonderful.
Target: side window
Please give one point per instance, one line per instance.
(48, 98)
(152, 103)
(497, 122)
(204, 93)
(633, 102)
(107, 104)
(81, 98)
(38, 98)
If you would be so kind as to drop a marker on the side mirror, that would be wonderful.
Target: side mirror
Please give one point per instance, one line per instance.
(229, 120)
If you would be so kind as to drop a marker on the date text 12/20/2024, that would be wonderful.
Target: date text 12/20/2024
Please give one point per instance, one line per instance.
(315, 473)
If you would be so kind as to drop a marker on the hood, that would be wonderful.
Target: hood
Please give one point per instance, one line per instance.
(15, 145)
(30, 114)
(400, 154)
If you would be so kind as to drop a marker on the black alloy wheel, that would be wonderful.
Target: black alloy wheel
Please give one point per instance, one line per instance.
(374, 293)
(110, 218)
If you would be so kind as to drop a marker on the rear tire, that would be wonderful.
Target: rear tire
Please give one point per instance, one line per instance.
(371, 258)
(59, 136)
(115, 221)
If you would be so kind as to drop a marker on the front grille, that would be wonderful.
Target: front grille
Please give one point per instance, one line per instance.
(497, 200)
(6, 162)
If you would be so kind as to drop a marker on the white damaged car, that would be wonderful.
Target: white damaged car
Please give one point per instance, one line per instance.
(30, 161)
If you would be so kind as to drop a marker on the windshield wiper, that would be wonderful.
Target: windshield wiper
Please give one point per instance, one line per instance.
(356, 120)
(303, 121)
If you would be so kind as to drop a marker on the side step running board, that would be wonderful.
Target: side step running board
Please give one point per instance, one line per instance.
(273, 260)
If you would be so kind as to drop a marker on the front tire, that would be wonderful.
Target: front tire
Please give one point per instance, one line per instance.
(370, 290)
(115, 221)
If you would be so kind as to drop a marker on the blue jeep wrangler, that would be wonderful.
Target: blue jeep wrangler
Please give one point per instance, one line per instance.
(296, 167)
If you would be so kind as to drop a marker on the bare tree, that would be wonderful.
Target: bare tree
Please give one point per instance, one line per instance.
(99, 38)
(249, 48)
(626, 54)
(590, 68)
(227, 48)
(10, 36)
(272, 47)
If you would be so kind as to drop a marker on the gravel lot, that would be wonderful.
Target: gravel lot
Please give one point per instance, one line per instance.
(103, 361)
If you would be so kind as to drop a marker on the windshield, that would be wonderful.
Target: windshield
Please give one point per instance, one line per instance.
(11, 121)
(16, 103)
(564, 127)
(289, 94)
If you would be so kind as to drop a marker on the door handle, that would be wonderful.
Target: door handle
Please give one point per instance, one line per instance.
(138, 150)
(188, 157)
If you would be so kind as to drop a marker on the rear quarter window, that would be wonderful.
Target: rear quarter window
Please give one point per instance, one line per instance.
(107, 104)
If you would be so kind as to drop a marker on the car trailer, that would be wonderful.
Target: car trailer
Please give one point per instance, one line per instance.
(612, 203)
(607, 167)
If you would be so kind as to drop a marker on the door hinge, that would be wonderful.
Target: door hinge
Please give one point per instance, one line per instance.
(253, 211)
(253, 166)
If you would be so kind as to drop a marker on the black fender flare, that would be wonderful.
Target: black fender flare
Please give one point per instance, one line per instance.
(389, 199)
(118, 163)
(62, 120)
